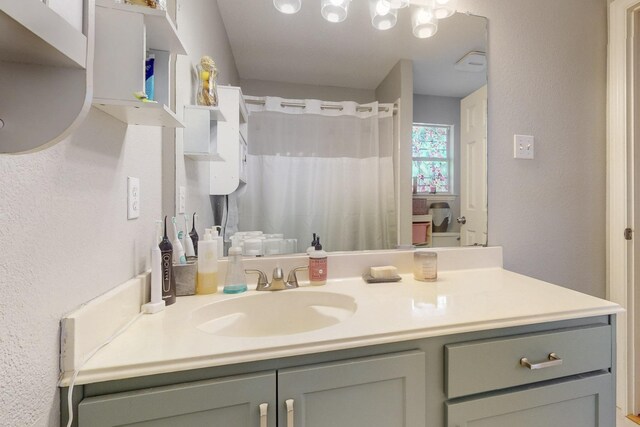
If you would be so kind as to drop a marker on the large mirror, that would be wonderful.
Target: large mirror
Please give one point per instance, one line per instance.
(373, 139)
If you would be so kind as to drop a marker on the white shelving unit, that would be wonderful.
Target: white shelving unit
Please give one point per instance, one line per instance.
(201, 132)
(32, 33)
(46, 65)
(227, 175)
(124, 34)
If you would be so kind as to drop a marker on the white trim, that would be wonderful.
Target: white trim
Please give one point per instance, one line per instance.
(619, 197)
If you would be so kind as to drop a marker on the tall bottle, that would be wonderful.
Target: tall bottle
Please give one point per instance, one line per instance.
(207, 282)
(318, 266)
(155, 303)
(168, 280)
(235, 281)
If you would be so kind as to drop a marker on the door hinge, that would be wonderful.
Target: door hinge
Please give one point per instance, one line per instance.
(628, 234)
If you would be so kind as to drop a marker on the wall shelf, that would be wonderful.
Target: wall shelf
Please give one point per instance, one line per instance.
(204, 157)
(215, 114)
(161, 34)
(139, 113)
(32, 33)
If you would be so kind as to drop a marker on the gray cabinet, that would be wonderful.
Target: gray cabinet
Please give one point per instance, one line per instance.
(382, 391)
(386, 391)
(227, 402)
(586, 401)
(473, 379)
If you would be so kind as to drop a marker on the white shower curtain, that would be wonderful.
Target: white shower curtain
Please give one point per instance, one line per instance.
(318, 170)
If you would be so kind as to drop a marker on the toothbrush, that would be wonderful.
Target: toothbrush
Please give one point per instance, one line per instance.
(178, 251)
(188, 243)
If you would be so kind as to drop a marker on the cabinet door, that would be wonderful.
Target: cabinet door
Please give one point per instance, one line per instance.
(384, 391)
(226, 402)
(584, 402)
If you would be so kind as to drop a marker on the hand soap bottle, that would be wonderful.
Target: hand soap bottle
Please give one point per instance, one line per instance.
(207, 282)
(235, 281)
(318, 265)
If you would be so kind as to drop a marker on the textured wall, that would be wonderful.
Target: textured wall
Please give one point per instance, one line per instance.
(547, 78)
(65, 240)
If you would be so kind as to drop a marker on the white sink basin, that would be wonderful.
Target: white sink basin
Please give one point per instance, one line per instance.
(274, 313)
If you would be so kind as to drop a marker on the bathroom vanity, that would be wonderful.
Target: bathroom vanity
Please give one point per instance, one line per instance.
(481, 346)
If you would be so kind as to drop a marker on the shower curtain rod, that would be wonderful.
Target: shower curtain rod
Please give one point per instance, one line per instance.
(360, 109)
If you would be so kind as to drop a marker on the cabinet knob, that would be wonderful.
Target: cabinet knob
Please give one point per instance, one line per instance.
(264, 407)
(289, 403)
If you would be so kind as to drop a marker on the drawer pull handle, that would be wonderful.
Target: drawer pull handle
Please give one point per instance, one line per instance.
(289, 403)
(264, 407)
(554, 360)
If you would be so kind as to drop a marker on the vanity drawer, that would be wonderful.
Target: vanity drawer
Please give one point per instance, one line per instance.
(485, 365)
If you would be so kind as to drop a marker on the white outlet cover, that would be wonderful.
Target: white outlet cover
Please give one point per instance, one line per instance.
(133, 197)
(523, 147)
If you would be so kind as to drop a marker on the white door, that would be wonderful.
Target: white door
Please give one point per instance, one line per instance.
(473, 169)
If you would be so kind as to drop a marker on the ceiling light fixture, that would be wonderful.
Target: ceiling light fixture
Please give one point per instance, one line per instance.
(335, 10)
(424, 22)
(383, 17)
(288, 6)
(384, 13)
(444, 8)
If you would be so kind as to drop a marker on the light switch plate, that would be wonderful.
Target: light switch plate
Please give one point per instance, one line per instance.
(182, 200)
(523, 147)
(133, 197)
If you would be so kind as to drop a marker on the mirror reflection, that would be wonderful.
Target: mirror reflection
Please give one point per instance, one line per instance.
(370, 138)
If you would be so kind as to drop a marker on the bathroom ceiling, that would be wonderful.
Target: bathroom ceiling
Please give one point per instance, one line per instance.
(304, 48)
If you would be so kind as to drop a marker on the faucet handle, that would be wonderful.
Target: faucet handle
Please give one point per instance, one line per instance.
(278, 274)
(292, 279)
(262, 279)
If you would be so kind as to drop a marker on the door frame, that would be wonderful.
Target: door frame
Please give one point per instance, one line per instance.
(620, 200)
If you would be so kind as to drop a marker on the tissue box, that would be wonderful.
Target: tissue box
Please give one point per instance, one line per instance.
(186, 276)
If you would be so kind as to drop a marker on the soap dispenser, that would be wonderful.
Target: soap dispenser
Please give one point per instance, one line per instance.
(235, 281)
(318, 265)
(207, 282)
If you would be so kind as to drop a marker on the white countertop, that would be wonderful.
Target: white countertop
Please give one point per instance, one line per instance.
(460, 301)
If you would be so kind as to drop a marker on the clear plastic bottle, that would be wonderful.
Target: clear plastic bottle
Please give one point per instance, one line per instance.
(235, 281)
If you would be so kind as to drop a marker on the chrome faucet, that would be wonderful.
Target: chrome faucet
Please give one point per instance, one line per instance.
(277, 281)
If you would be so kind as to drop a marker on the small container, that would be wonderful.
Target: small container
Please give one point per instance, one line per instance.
(186, 277)
(235, 281)
(425, 266)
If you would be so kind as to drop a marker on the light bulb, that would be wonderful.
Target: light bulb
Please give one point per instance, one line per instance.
(382, 8)
(444, 8)
(335, 10)
(424, 22)
(382, 16)
(396, 4)
(288, 6)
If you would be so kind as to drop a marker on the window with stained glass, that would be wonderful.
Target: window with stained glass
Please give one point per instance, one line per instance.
(432, 158)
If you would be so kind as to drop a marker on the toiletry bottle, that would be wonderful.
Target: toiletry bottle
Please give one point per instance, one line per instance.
(216, 234)
(235, 281)
(207, 282)
(189, 250)
(178, 251)
(168, 281)
(156, 303)
(318, 265)
(314, 242)
(193, 234)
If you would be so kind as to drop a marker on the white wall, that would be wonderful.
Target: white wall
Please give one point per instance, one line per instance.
(301, 91)
(547, 78)
(65, 240)
(443, 110)
(196, 18)
(398, 85)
